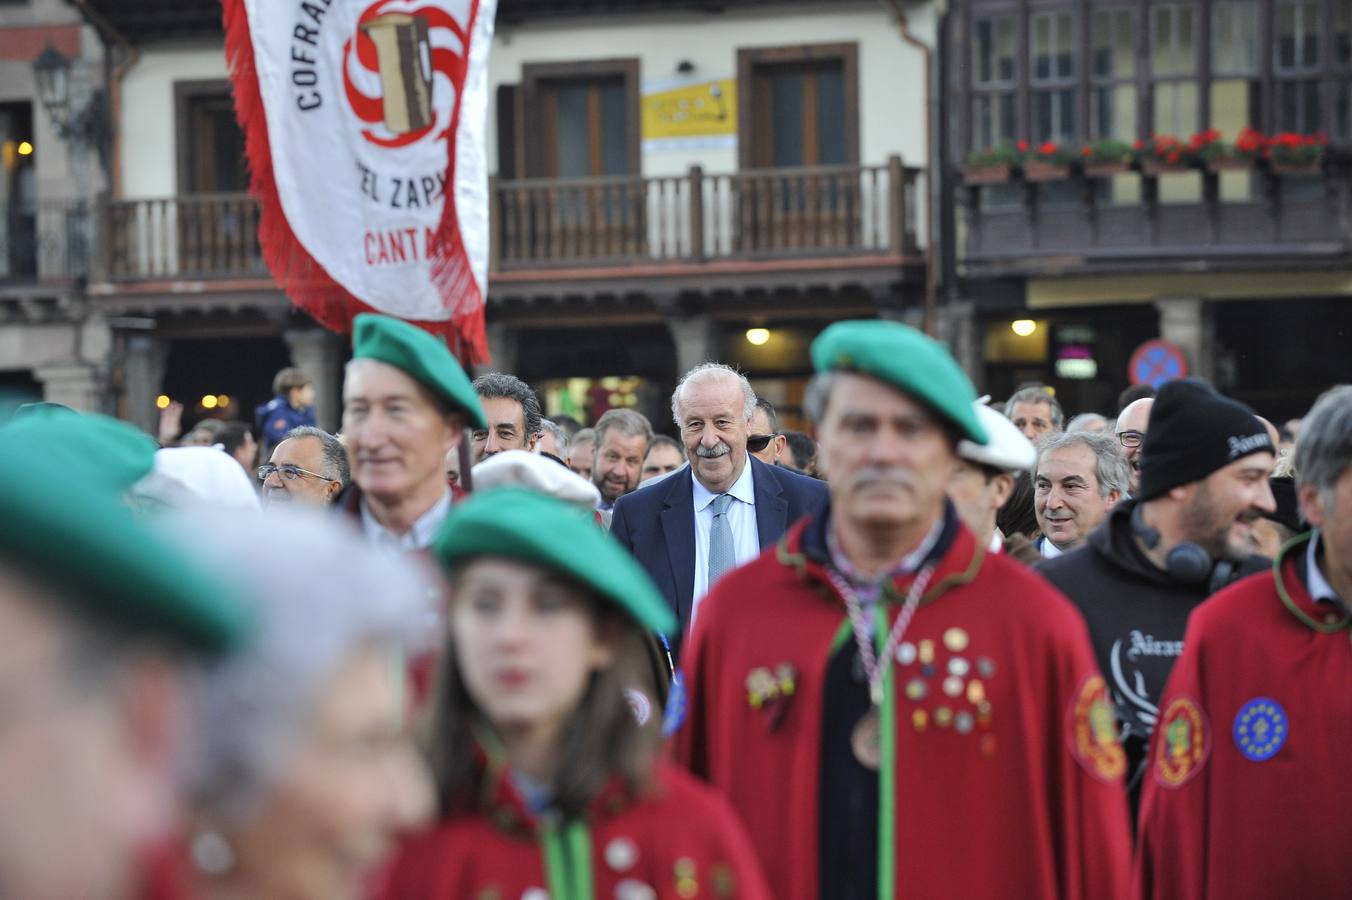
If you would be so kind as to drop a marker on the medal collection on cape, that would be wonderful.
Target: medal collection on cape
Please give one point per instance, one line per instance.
(866, 738)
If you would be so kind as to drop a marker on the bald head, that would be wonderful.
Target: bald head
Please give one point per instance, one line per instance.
(1132, 424)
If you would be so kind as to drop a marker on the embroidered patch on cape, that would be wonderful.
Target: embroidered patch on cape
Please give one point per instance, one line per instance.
(1261, 728)
(1183, 741)
(1092, 730)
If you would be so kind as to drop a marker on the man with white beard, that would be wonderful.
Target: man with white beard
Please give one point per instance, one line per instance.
(721, 511)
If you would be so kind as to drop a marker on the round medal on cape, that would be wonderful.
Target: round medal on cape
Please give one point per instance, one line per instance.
(866, 741)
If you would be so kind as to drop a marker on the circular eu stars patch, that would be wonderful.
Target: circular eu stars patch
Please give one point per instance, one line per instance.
(1261, 727)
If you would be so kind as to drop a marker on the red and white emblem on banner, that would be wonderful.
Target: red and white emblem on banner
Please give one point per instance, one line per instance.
(364, 122)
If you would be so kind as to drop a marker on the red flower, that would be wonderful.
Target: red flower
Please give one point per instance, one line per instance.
(1173, 157)
(1021, 146)
(1048, 149)
(1087, 151)
(1138, 144)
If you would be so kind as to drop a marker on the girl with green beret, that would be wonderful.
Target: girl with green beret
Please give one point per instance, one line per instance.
(548, 785)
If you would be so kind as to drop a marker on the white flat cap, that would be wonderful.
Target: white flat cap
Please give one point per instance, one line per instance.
(1007, 450)
(539, 473)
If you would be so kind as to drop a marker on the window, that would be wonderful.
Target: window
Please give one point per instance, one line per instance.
(1342, 67)
(799, 114)
(995, 71)
(1173, 68)
(1296, 65)
(210, 142)
(1112, 50)
(1053, 77)
(1235, 92)
(802, 106)
(583, 119)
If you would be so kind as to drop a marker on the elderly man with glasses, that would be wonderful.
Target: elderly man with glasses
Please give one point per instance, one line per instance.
(1131, 427)
(309, 467)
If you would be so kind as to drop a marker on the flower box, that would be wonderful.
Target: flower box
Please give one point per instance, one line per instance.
(1154, 168)
(1306, 169)
(1228, 164)
(1034, 170)
(1106, 169)
(997, 174)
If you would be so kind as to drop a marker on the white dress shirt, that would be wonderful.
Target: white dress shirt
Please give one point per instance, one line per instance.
(741, 519)
(419, 537)
(1320, 589)
(1048, 549)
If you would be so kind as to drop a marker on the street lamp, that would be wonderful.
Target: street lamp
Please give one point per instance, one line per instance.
(52, 70)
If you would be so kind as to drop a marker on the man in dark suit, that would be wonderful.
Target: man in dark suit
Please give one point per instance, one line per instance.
(720, 511)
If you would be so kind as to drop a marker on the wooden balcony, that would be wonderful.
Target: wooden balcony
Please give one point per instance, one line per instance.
(748, 225)
(1191, 221)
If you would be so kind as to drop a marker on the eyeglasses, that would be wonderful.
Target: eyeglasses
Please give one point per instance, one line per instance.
(758, 442)
(289, 473)
(1130, 439)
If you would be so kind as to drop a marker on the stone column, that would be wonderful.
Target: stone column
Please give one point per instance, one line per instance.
(318, 352)
(502, 348)
(143, 379)
(1186, 322)
(76, 386)
(696, 340)
(956, 326)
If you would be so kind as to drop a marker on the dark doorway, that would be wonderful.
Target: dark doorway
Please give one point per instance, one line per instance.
(239, 369)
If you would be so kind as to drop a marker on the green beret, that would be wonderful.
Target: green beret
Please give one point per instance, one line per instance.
(113, 452)
(423, 357)
(906, 359)
(72, 533)
(521, 524)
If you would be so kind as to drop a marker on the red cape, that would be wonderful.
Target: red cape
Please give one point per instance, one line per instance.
(1237, 809)
(1026, 803)
(681, 841)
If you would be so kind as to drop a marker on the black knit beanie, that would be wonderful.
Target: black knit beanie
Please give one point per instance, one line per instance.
(1193, 431)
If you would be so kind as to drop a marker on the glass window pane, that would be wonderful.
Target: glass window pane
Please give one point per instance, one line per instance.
(1176, 108)
(1042, 59)
(614, 122)
(1342, 111)
(786, 116)
(1174, 40)
(1309, 43)
(1114, 112)
(1298, 33)
(1234, 38)
(993, 49)
(573, 130)
(1004, 49)
(983, 66)
(1342, 32)
(830, 116)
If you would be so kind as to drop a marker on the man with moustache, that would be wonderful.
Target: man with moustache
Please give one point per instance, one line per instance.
(890, 708)
(722, 510)
(406, 402)
(1187, 533)
(309, 467)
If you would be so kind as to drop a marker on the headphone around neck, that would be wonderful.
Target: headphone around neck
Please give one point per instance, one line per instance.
(1185, 561)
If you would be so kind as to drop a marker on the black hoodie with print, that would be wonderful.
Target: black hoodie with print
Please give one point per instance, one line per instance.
(1136, 614)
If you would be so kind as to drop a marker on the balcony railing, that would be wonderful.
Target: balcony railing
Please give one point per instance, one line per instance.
(696, 217)
(689, 219)
(195, 236)
(49, 242)
(1182, 220)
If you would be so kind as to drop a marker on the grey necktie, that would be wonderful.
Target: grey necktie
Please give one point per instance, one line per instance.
(721, 554)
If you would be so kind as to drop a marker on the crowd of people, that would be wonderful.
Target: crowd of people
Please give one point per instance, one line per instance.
(940, 647)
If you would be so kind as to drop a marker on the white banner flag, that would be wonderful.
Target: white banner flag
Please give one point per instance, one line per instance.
(365, 126)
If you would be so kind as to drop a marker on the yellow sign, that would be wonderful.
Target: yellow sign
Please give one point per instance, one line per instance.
(701, 110)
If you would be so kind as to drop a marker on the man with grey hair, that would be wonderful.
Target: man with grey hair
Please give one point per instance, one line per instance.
(581, 452)
(1185, 534)
(1079, 476)
(309, 466)
(1090, 421)
(513, 413)
(723, 509)
(1035, 412)
(553, 440)
(1260, 682)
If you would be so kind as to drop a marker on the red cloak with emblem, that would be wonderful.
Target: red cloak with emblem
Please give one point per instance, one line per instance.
(364, 126)
(1249, 791)
(676, 842)
(1025, 800)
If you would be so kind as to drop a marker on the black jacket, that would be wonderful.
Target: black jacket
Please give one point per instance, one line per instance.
(657, 524)
(1136, 614)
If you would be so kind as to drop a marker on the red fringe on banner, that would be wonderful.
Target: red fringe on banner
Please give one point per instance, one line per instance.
(303, 279)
